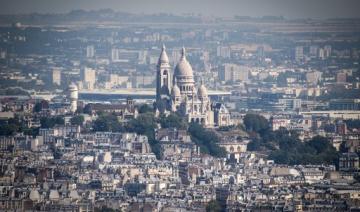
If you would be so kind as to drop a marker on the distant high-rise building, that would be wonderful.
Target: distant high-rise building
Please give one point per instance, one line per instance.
(344, 104)
(321, 53)
(233, 73)
(260, 53)
(175, 55)
(90, 51)
(2, 54)
(299, 53)
(313, 51)
(142, 56)
(115, 55)
(341, 77)
(223, 51)
(88, 76)
(327, 51)
(313, 77)
(124, 55)
(56, 76)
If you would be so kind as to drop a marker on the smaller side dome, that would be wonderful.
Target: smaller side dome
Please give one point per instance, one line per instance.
(54, 195)
(175, 90)
(73, 87)
(202, 91)
(74, 195)
(34, 195)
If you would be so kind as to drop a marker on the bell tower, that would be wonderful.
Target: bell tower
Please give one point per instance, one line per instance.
(163, 79)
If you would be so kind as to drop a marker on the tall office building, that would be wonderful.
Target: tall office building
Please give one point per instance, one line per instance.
(56, 76)
(327, 51)
(90, 51)
(313, 51)
(313, 77)
(260, 53)
(88, 76)
(2, 54)
(322, 53)
(341, 77)
(115, 55)
(233, 72)
(223, 51)
(299, 53)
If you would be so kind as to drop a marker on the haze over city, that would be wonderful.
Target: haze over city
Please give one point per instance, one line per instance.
(202, 105)
(224, 8)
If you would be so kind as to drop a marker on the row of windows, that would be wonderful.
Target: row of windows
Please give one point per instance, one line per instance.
(186, 88)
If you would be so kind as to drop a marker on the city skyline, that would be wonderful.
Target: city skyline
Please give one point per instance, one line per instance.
(118, 110)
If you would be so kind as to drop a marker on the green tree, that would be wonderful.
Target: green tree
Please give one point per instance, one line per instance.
(292, 151)
(206, 140)
(50, 122)
(353, 123)
(40, 105)
(145, 108)
(8, 129)
(108, 123)
(145, 124)
(255, 122)
(37, 108)
(213, 206)
(87, 109)
(320, 144)
(173, 120)
(77, 120)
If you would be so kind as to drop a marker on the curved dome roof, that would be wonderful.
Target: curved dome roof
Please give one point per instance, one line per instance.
(54, 195)
(163, 56)
(183, 68)
(72, 86)
(74, 194)
(202, 91)
(34, 195)
(175, 90)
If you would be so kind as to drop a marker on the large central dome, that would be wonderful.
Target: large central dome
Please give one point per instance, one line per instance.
(183, 68)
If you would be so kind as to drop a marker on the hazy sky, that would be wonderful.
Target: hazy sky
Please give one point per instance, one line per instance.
(287, 8)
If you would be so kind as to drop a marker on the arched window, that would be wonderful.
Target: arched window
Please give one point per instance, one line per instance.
(165, 77)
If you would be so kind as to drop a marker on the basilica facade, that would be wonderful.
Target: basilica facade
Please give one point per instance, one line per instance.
(179, 94)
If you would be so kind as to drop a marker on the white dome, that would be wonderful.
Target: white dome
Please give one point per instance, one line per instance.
(183, 68)
(54, 195)
(34, 195)
(73, 87)
(74, 195)
(163, 56)
(202, 91)
(175, 90)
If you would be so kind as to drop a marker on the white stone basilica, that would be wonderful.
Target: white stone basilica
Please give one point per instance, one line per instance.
(179, 94)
